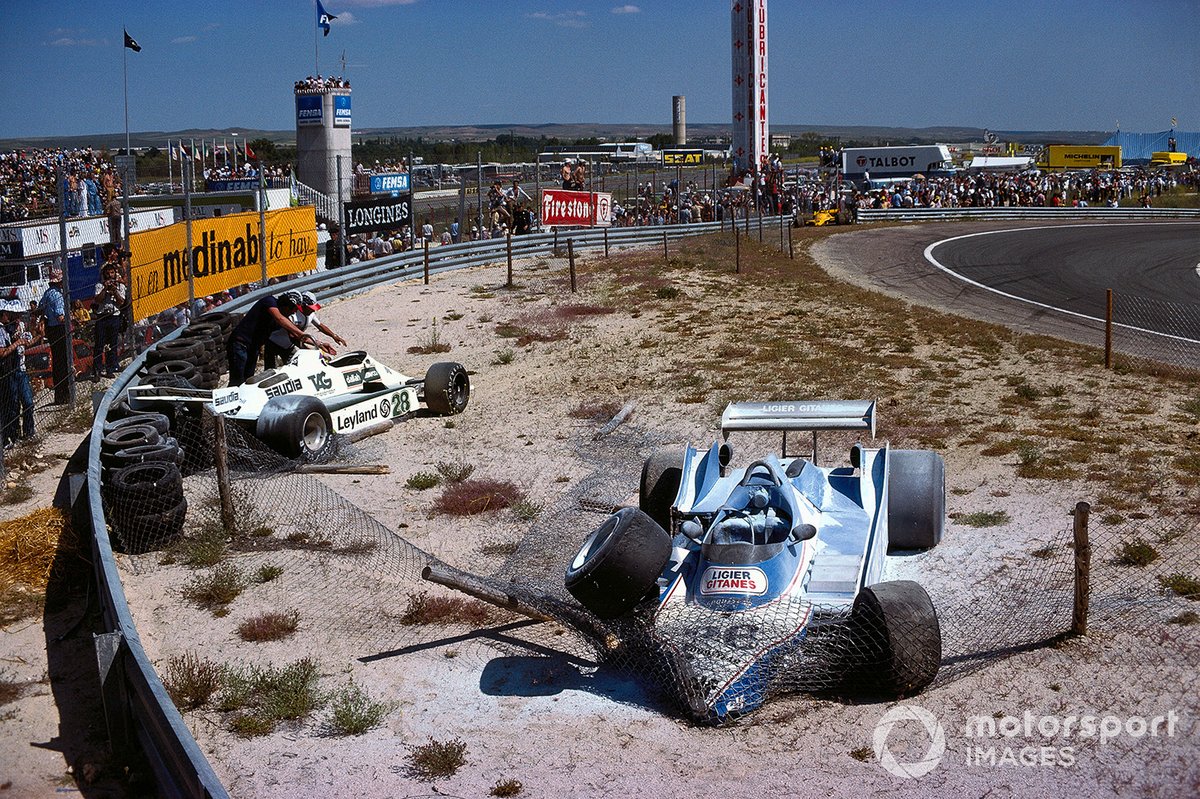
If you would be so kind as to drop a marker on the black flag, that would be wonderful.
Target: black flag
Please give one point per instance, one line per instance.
(130, 43)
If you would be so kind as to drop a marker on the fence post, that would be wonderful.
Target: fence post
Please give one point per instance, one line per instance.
(666, 254)
(221, 457)
(781, 230)
(508, 248)
(555, 250)
(571, 261)
(1108, 324)
(605, 242)
(737, 249)
(426, 259)
(1083, 569)
(791, 248)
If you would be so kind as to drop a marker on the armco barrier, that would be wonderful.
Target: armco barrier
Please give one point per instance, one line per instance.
(1000, 213)
(134, 693)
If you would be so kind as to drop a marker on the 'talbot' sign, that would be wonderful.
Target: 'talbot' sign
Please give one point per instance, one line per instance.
(587, 208)
(226, 252)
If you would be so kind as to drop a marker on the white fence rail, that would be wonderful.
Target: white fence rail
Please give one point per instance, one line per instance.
(1005, 212)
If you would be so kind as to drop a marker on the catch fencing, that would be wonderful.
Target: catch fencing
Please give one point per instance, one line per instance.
(1151, 333)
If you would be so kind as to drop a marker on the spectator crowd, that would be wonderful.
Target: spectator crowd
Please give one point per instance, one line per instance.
(27, 183)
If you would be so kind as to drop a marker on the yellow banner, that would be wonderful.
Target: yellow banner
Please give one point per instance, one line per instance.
(225, 251)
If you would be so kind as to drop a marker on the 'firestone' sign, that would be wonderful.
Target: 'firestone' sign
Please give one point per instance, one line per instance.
(586, 208)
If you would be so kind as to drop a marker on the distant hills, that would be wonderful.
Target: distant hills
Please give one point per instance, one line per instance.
(864, 134)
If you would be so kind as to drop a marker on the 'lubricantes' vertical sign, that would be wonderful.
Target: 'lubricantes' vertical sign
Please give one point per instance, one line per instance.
(751, 133)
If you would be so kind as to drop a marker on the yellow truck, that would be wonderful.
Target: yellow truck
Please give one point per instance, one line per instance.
(1168, 159)
(1078, 156)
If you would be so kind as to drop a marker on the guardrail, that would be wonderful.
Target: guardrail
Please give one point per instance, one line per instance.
(1006, 212)
(141, 701)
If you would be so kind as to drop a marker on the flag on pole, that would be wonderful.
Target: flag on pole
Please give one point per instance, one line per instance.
(174, 155)
(1174, 122)
(133, 45)
(323, 19)
(183, 153)
(249, 153)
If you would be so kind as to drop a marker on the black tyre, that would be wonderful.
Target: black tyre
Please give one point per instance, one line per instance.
(149, 531)
(296, 427)
(142, 488)
(183, 369)
(174, 350)
(167, 450)
(447, 388)
(202, 330)
(156, 420)
(661, 475)
(618, 564)
(223, 319)
(896, 631)
(916, 499)
(133, 435)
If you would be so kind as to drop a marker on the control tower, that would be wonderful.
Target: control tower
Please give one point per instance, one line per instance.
(323, 136)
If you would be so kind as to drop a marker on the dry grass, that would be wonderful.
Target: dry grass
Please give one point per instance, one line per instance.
(191, 680)
(437, 758)
(29, 545)
(424, 609)
(215, 590)
(352, 711)
(270, 626)
(472, 497)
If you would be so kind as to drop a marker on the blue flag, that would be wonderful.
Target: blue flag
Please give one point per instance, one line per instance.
(323, 18)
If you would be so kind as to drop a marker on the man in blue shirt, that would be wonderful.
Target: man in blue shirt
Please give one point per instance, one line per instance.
(58, 327)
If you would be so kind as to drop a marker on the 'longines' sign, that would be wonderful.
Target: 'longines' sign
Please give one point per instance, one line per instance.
(390, 213)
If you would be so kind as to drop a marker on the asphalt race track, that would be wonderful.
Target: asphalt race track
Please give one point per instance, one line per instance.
(1022, 274)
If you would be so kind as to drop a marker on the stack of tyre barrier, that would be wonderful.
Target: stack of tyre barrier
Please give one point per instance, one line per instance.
(187, 422)
(197, 356)
(142, 486)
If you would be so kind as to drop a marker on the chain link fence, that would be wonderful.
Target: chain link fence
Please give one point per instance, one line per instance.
(1156, 335)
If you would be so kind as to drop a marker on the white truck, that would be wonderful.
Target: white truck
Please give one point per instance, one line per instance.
(874, 163)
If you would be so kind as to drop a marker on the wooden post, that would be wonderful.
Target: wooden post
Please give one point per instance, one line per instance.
(605, 242)
(571, 261)
(666, 254)
(224, 490)
(760, 224)
(555, 242)
(791, 248)
(737, 249)
(781, 230)
(426, 262)
(508, 247)
(1108, 316)
(1083, 569)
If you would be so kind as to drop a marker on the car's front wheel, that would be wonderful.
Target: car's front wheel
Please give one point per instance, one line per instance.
(618, 564)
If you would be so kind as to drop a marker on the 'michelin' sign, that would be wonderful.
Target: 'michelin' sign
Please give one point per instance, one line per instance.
(751, 133)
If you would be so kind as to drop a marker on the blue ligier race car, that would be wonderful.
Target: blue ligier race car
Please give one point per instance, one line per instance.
(772, 577)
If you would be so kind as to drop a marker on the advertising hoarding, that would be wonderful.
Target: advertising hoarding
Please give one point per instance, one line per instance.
(394, 184)
(388, 213)
(225, 252)
(341, 110)
(308, 109)
(566, 208)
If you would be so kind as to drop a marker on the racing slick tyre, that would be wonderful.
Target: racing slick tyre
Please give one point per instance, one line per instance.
(661, 475)
(296, 427)
(916, 499)
(447, 388)
(143, 532)
(618, 564)
(898, 639)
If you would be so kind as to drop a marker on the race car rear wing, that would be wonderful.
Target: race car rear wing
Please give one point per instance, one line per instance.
(139, 395)
(799, 415)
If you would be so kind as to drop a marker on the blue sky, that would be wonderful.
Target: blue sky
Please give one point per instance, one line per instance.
(1013, 65)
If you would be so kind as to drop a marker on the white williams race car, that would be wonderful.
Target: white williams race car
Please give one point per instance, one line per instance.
(297, 408)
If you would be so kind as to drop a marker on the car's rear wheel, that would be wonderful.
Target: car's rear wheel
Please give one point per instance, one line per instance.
(897, 637)
(916, 499)
(447, 388)
(618, 564)
(661, 475)
(296, 427)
